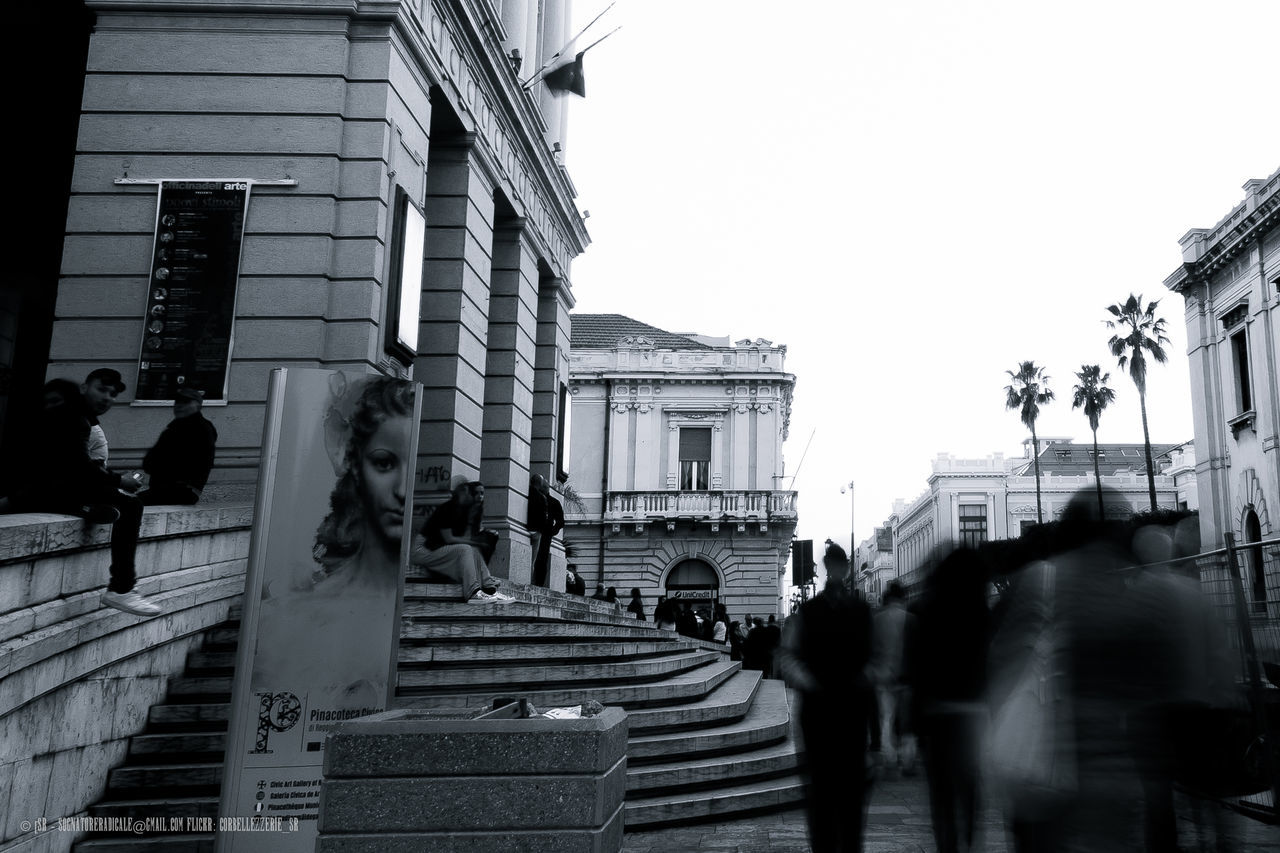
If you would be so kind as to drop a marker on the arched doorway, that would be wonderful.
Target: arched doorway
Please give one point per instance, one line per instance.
(1253, 561)
(695, 583)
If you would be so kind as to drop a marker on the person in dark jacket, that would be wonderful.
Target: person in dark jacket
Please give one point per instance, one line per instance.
(825, 649)
(180, 462)
(545, 520)
(64, 479)
(945, 666)
(687, 623)
(636, 607)
(574, 584)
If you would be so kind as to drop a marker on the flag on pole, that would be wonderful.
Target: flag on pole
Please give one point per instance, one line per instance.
(567, 78)
(562, 74)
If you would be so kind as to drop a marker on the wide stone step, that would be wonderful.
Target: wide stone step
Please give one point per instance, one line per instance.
(188, 778)
(222, 638)
(526, 610)
(703, 806)
(473, 651)
(190, 716)
(211, 662)
(777, 759)
(177, 747)
(531, 677)
(685, 687)
(159, 806)
(767, 721)
(166, 843)
(530, 632)
(200, 685)
(452, 592)
(730, 702)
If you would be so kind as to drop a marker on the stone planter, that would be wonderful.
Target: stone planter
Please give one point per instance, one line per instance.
(412, 780)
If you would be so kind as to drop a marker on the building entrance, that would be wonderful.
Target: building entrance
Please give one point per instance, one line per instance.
(695, 583)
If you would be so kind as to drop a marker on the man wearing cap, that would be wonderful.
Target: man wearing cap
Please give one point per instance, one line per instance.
(100, 389)
(63, 478)
(180, 462)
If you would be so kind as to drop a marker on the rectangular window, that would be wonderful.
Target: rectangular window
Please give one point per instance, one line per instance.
(973, 524)
(695, 459)
(1240, 363)
(404, 277)
(564, 431)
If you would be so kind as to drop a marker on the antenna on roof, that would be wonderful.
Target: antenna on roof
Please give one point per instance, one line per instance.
(802, 456)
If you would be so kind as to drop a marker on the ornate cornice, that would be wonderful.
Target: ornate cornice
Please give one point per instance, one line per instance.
(1230, 238)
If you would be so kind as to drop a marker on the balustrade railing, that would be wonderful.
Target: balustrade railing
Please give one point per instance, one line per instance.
(699, 504)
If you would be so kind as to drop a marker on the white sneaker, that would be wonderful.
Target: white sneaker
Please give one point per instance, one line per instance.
(482, 597)
(131, 602)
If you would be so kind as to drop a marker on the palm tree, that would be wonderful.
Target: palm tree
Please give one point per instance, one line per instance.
(1093, 394)
(1142, 334)
(1029, 391)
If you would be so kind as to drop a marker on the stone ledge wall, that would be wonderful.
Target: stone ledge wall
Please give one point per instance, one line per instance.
(77, 679)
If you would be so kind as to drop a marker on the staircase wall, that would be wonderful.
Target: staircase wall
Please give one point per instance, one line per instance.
(77, 679)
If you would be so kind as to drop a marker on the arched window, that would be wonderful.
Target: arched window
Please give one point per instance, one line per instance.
(1253, 561)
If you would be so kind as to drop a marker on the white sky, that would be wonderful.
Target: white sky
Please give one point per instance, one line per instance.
(914, 196)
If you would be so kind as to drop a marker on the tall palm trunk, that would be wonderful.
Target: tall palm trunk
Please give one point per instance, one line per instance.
(1146, 443)
(1097, 477)
(1035, 459)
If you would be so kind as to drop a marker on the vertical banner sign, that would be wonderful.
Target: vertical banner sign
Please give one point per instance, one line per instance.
(320, 630)
(195, 265)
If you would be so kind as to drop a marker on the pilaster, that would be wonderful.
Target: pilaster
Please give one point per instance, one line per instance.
(508, 398)
(551, 368)
(453, 335)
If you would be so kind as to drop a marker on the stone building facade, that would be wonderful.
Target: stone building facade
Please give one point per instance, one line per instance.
(1230, 283)
(969, 501)
(344, 121)
(676, 459)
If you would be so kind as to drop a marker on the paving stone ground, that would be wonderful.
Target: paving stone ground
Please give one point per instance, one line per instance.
(898, 822)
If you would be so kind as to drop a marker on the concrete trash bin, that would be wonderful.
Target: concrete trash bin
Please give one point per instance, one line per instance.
(413, 780)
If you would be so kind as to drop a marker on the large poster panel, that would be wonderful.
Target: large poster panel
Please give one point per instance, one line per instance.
(320, 630)
(191, 295)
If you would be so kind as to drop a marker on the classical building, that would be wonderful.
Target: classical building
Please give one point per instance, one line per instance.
(1230, 283)
(363, 185)
(676, 462)
(969, 501)
(873, 562)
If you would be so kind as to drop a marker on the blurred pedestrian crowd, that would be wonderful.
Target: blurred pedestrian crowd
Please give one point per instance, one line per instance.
(1089, 691)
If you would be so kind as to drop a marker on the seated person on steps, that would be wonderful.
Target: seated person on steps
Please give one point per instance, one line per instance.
(446, 546)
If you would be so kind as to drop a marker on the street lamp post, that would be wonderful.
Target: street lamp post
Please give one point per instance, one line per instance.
(853, 538)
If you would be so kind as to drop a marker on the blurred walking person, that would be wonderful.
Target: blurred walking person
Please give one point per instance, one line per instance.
(1064, 675)
(889, 627)
(946, 668)
(824, 651)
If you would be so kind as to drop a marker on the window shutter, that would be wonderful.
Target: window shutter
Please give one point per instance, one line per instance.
(695, 445)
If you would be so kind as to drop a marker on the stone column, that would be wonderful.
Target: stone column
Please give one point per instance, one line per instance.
(553, 39)
(508, 399)
(551, 368)
(515, 20)
(453, 336)
(532, 39)
(717, 453)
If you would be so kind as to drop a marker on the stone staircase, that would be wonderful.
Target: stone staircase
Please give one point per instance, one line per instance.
(706, 737)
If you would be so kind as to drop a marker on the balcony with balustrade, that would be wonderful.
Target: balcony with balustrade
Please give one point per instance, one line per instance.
(738, 509)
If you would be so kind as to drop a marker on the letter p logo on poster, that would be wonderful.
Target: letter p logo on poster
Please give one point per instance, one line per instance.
(320, 629)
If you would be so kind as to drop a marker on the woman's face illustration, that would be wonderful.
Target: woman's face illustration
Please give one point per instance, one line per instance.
(382, 476)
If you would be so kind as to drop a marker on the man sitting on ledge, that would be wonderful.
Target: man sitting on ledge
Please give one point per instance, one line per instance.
(63, 478)
(447, 546)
